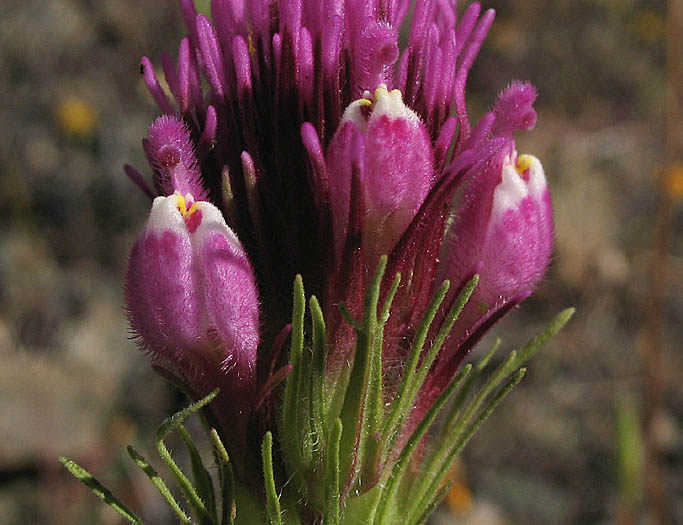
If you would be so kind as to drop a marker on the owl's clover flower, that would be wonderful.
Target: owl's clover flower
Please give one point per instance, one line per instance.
(193, 303)
(301, 129)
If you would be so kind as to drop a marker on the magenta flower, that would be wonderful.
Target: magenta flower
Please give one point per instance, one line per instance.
(323, 147)
(388, 147)
(193, 303)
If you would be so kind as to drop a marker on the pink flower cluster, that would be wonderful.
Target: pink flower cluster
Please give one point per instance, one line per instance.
(316, 147)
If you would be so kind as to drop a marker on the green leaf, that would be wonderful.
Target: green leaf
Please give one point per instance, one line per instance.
(358, 421)
(202, 478)
(455, 410)
(156, 480)
(386, 309)
(456, 425)
(515, 359)
(412, 381)
(317, 395)
(437, 470)
(168, 426)
(466, 389)
(387, 503)
(99, 490)
(332, 496)
(226, 478)
(349, 318)
(630, 452)
(374, 403)
(293, 434)
(272, 500)
(533, 346)
(431, 507)
(457, 429)
(402, 401)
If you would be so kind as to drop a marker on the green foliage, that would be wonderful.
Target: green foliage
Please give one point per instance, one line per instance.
(630, 452)
(272, 500)
(99, 490)
(345, 446)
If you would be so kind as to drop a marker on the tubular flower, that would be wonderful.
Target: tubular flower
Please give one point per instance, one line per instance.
(302, 129)
(192, 301)
(388, 148)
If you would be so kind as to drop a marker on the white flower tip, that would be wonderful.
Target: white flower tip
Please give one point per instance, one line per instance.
(390, 103)
(166, 214)
(518, 180)
(382, 102)
(183, 215)
(535, 176)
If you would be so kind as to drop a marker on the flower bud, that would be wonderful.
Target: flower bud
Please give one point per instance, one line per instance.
(191, 296)
(502, 230)
(390, 147)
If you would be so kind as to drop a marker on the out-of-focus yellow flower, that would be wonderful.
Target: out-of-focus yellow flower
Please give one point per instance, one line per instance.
(459, 497)
(674, 180)
(76, 117)
(649, 26)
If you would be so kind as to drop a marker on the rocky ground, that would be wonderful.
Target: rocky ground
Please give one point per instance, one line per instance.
(71, 382)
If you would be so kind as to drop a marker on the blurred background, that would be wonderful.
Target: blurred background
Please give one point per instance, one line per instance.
(594, 433)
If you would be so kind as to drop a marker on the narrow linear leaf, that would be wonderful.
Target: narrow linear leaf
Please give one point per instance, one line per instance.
(453, 314)
(272, 500)
(168, 426)
(515, 359)
(374, 399)
(401, 403)
(484, 361)
(171, 423)
(466, 389)
(202, 478)
(499, 374)
(450, 451)
(292, 400)
(226, 478)
(317, 396)
(455, 410)
(332, 496)
(356, 422)
(416, 382)
(389, 492)
(349, 318)
(429, 509)
(456, 434)
(99, 490)
(490, 407)
(533, 346)
(386, 309)
(445, 329)
(156, 480)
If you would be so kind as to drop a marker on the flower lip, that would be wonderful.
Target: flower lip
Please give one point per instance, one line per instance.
(179, 212)
(381, 102)
(520, 178)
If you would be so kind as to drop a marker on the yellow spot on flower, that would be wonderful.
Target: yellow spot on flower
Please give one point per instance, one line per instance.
(181, 203)
(382, 91)
(394, 97)
(523, 163)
